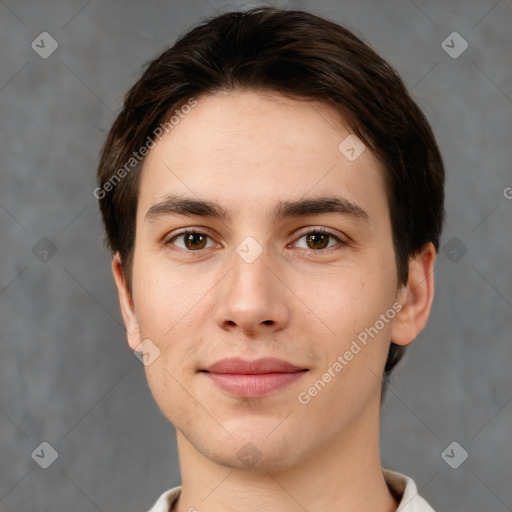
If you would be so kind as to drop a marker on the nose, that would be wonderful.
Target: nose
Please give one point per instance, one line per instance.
(252, 299)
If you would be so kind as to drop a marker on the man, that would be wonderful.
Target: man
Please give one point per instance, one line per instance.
(273, 200)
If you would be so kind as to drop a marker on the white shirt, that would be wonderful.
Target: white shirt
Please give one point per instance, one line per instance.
(402, 486)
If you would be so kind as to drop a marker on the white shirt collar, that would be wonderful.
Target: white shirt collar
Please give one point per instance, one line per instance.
(402, 486)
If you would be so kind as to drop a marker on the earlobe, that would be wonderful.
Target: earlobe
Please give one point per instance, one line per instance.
(416, 297)
(126, 303)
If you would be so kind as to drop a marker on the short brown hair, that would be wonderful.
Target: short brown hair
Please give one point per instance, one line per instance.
(301, 56)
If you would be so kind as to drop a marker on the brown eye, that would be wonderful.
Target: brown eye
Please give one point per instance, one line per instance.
(194, 241)
(317, 240)
(190, 241)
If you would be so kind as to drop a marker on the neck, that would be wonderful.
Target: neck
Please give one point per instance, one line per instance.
(342, 474)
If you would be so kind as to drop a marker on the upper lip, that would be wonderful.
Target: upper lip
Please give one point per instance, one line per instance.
(258, 366)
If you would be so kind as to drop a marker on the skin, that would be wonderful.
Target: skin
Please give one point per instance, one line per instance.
(301, 300)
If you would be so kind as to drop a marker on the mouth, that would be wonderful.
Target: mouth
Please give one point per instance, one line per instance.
(253, 379)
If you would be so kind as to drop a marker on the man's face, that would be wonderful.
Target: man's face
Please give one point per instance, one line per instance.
(256, 285)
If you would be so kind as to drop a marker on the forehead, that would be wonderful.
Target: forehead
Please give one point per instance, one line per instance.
(258, 145)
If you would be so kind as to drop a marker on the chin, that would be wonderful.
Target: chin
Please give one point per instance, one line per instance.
(256, 451)
(250, 458)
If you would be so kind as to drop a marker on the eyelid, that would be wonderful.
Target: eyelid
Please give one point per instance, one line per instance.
(184, 231)
(340, 237)
(318, 229)
(166, 240)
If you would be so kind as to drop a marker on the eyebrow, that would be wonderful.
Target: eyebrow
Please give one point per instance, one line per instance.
(178, 205)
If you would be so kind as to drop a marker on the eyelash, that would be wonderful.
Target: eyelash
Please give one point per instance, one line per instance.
(319, 230)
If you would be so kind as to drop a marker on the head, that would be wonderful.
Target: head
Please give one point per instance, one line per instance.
(247, 114)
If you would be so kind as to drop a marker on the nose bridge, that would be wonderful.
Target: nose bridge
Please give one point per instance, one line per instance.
(249, 283)
(251, 297)
(250, 271)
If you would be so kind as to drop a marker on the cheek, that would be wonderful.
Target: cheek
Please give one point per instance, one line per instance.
(350, 301)
(162, 298)
(169, 319)
(353, 359)
(171, 309)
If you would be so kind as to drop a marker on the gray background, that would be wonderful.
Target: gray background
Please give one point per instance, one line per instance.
(67, 376)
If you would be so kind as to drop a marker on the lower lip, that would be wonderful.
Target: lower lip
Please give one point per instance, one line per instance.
(253, 386)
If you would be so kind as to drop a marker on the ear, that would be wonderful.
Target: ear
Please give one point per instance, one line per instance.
(125, 301)
(415, 297)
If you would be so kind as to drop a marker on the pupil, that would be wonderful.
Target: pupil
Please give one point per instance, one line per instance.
(193, 240)
(323, 238)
